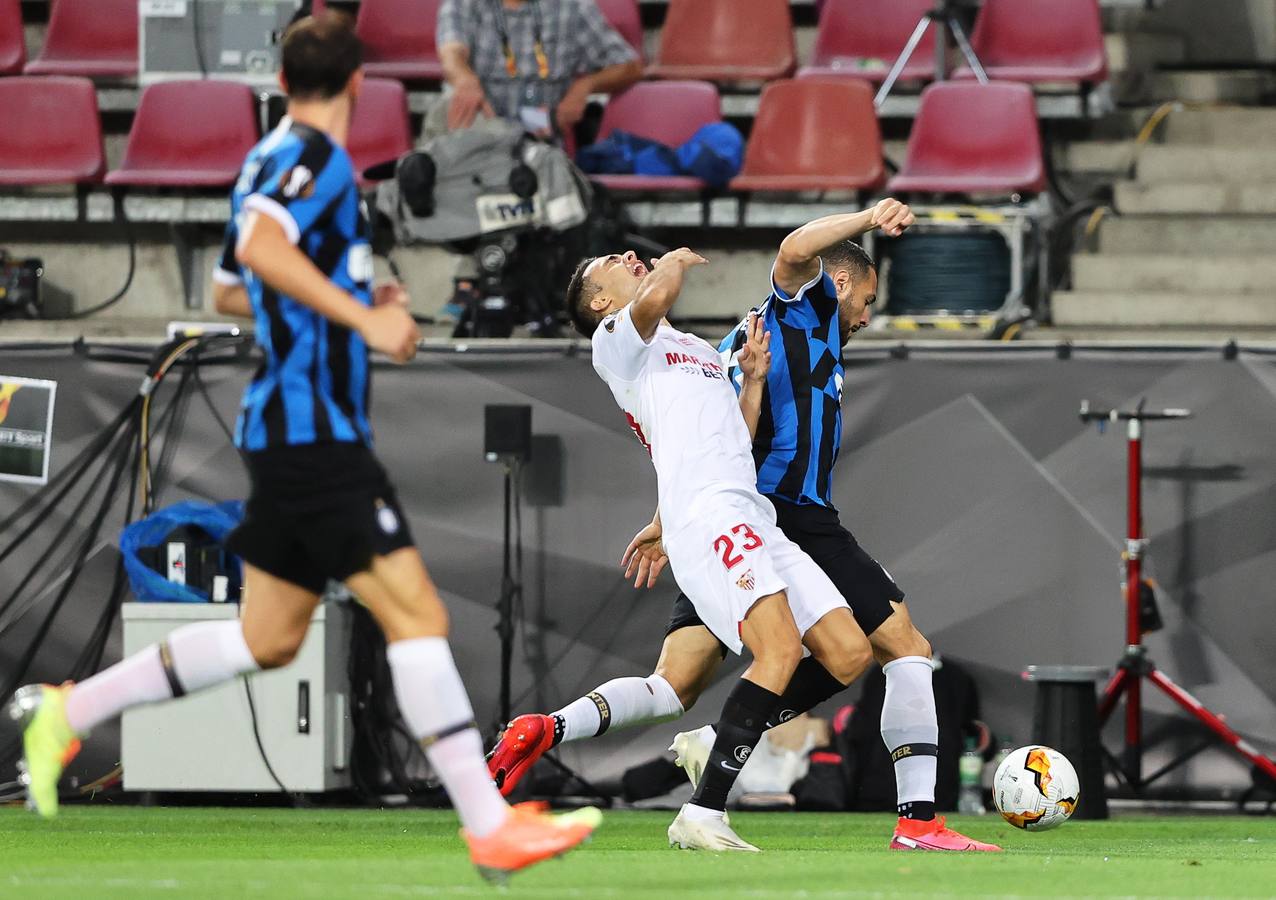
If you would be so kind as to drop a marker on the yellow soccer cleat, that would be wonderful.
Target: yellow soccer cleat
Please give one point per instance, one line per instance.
(48, 743)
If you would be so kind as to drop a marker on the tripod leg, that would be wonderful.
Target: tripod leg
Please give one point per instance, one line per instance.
(1111, 694)
(902, 60)
(1132, 757)
(959, 35)
(1212, 722)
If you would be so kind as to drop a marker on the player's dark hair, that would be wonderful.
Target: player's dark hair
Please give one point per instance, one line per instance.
(850, 256)
(579, 294)
(320, 53)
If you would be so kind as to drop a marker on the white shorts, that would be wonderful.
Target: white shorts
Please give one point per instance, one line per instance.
(733, 555)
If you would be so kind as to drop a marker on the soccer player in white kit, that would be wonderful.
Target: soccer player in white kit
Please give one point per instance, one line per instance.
(750, 584)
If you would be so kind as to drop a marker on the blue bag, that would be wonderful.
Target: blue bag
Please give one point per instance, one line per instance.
(714, 154)
(217, 519)
(622, 153)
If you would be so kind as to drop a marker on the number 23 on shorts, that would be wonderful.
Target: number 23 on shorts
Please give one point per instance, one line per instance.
(725, 545)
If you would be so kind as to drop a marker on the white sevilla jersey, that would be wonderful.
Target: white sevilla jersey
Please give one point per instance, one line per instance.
(675, 394)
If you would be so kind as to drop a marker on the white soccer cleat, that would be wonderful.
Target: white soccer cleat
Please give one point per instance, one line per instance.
(691, 751)
(706, 834)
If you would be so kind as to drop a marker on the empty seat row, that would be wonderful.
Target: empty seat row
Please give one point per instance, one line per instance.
(1016, 40)
(167, 146)
(968, 138)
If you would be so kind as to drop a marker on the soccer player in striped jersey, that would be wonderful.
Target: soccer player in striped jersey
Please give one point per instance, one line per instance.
(823, 285)
(321, 506)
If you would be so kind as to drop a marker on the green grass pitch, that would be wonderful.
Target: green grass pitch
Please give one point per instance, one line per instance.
(93, 852)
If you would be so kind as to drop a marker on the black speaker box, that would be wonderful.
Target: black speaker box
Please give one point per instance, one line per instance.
(507, 432)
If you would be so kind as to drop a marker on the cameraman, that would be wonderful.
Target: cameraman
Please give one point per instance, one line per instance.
(531, 61)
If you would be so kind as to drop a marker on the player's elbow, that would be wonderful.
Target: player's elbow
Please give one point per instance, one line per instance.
(793, 252)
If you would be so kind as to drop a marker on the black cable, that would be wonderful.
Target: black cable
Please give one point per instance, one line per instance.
(122, 218)
(261, 748)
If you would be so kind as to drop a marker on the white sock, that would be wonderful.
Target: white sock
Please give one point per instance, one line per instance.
(438, 713)
(619, 703)
(909, 725)
(701, 813)
(202, 655)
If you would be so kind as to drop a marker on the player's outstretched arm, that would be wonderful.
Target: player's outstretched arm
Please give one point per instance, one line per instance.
(264, 247)
(754, 361)
(659, 290)
(798, 260)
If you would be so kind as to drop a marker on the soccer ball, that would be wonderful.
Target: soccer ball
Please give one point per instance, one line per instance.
(1035, 788)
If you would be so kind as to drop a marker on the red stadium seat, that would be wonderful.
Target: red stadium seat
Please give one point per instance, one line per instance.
(715, 40)
(666, 111)
(52, 134)
(863, 38)
(90, 38)
(794, 147)
(622, 15)
(189, 134)
(13, 51)
(380, 130)
(398, 39)
(974, 139)
(1040, 41)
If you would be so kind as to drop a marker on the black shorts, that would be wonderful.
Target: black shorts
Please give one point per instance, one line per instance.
(318, 512)
(867, 587)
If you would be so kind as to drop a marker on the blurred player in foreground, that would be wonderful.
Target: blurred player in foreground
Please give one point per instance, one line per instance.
(823, 285)
(297, 258)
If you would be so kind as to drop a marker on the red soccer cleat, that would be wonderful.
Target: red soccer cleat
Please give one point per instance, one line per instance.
(911, 834)
(525, 740)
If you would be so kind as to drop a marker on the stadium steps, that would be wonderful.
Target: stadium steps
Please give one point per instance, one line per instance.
(1189, 236)
(1170, 273)
(1198, 198)
(1163, 309)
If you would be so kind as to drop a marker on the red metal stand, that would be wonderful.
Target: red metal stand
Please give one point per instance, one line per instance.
(1135, 665)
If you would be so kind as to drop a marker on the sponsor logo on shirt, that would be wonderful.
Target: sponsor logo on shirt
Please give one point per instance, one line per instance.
(694, 365)
(297, 182)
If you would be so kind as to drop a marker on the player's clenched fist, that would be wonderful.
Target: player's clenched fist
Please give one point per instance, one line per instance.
(892, 216)
(391, 330)
(682, 256)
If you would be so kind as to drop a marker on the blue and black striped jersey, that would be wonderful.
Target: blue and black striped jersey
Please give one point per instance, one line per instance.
(313, 385)
(800, 430)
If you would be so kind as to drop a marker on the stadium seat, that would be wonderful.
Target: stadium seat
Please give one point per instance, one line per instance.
(13, 50)
(971, 138)
(623, 16)
(712, 40)
(93, 38)
(792, 147)
(380, 130)
(1039, 41)
(41, 147)
(398, 39)
(863, 38)
(189, 134)
(666, 111)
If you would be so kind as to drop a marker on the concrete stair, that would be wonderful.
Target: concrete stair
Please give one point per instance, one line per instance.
(1196, 198)
(1158, 309)
(1171, 273)
(1191, 246)
(1233, 235)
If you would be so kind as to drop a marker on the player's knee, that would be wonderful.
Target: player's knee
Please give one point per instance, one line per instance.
(277, 651)
(687, 689)
(850, 661)
(781, 651)
(911, 643)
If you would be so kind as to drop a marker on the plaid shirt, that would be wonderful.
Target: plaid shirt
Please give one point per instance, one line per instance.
(576, 37)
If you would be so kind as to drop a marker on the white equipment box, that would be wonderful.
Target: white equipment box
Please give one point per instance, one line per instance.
(232, 39)
(205, 742)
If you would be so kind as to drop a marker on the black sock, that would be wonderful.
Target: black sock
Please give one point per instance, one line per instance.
(744, 717)
(922, 810)
(560, 726)
(810, 686)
